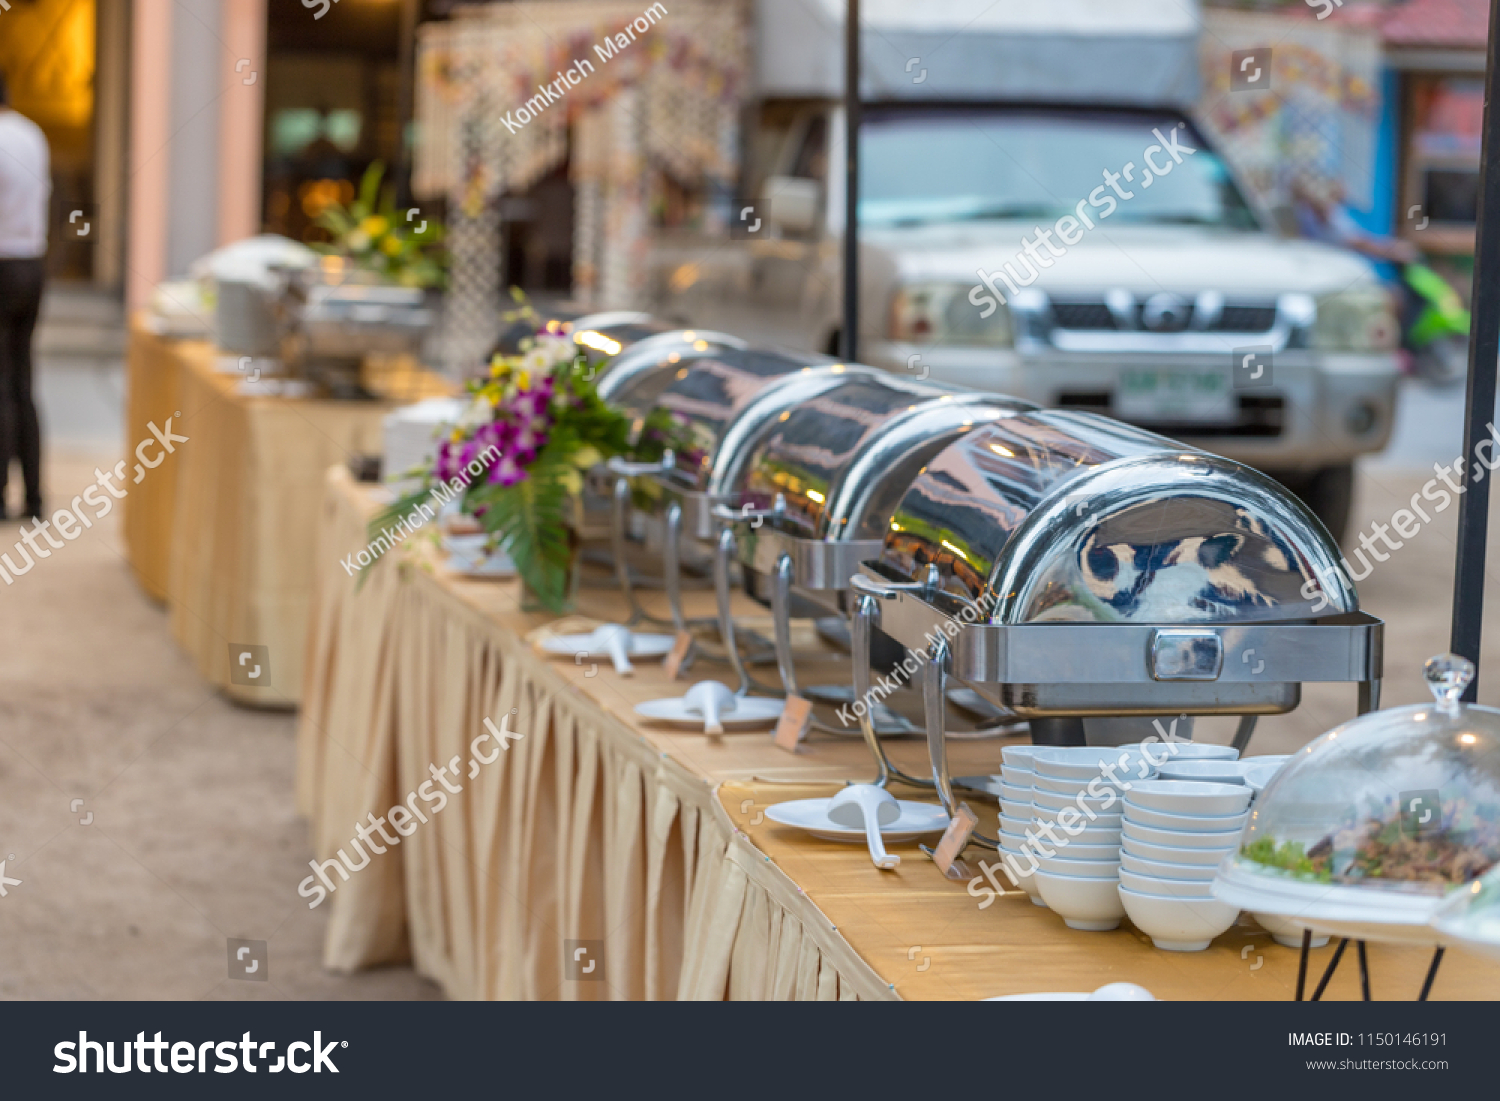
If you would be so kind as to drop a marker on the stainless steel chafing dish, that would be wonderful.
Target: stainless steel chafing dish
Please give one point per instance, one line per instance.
(820, 490)
(723, 398)
(333, 317)
(1064, 565)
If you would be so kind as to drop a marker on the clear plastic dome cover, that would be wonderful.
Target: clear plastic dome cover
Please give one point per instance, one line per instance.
(1404, 800)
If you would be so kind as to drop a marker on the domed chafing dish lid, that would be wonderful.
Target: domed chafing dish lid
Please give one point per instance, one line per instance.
(1060, 516)
(635, 378)
(841, 461)
(722, 404)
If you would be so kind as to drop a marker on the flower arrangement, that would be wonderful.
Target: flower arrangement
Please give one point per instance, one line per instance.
(374, 236)
(535, 425)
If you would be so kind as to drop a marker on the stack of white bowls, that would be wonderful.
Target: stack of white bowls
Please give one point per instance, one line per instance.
(1016, 779)
(1079, 805)
(1175, 833)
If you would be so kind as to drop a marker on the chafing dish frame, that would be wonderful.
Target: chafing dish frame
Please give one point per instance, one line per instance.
(1187, 658)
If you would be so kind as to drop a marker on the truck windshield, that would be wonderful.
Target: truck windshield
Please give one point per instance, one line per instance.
(971, 166)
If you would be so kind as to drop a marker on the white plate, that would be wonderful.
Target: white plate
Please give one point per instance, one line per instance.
(749, 711)
(917, 820)
(641, 645)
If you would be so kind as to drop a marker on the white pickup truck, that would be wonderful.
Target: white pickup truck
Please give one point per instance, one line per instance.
(1063, 233)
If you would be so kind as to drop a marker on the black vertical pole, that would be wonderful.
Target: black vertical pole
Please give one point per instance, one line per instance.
(1479, 402)
(850, 349)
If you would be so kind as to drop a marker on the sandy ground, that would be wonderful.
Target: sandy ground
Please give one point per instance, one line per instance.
(191, 836)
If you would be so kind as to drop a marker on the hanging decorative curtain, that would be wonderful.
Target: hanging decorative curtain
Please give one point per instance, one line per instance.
(631, 89)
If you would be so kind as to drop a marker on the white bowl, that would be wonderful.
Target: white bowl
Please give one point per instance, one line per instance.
(1020, 777)
(1176, 854)
(1196, 873)
(1015, 808)
(1009, 823)
(1189, 797)
(1087, 762)
(1059, 786)
(1071, 850)
(1064, 865)
(1027, 882)
(1089, 903)
(1217, 838)
(1258, 775)
(1053, 800)
(1018, 755)
(1285, 933)
(1156, 885)
(1216, 772)
(1177, 924)
(1012, 792)
(1093, 836)
(1188, 823)
(1194, 751)
(1268, 758)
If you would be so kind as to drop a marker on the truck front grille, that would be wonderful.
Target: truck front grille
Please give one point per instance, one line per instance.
(1092, 315)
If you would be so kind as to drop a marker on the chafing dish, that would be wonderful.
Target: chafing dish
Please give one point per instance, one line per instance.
(1064, 565)
(819, 494)
(333, 316)
(722, 397)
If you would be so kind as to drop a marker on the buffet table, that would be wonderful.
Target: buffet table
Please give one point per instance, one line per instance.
(596, 827)
(223, 529)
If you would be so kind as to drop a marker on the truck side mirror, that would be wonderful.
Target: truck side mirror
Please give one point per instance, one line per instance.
(791, 203)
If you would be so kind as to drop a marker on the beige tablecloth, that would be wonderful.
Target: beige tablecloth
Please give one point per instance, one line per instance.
(651, 845)
(223, 530)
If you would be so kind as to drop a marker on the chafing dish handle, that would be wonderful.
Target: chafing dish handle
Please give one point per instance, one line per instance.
(723, 555)
(933, 700)
(889, 590)
(672, 565)
(627, 469)
(861, 623)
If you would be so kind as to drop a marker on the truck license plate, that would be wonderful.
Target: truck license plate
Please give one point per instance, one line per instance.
(1155, 394)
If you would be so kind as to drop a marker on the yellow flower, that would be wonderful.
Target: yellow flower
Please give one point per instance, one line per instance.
(587, 457)
(390, 246)
(375, 225)
(523, 381)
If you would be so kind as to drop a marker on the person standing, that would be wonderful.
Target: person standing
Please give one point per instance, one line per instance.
(25, 193)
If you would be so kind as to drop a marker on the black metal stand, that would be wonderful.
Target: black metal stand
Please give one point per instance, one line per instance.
(850, 343)
(1479, 400)
(1333, 965)
(1432, 970)
(1302, 962)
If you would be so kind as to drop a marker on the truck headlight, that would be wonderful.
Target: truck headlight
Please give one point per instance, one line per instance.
(1359, 320)
(926, 313)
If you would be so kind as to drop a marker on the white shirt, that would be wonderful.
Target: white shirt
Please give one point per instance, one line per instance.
(25, 187)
